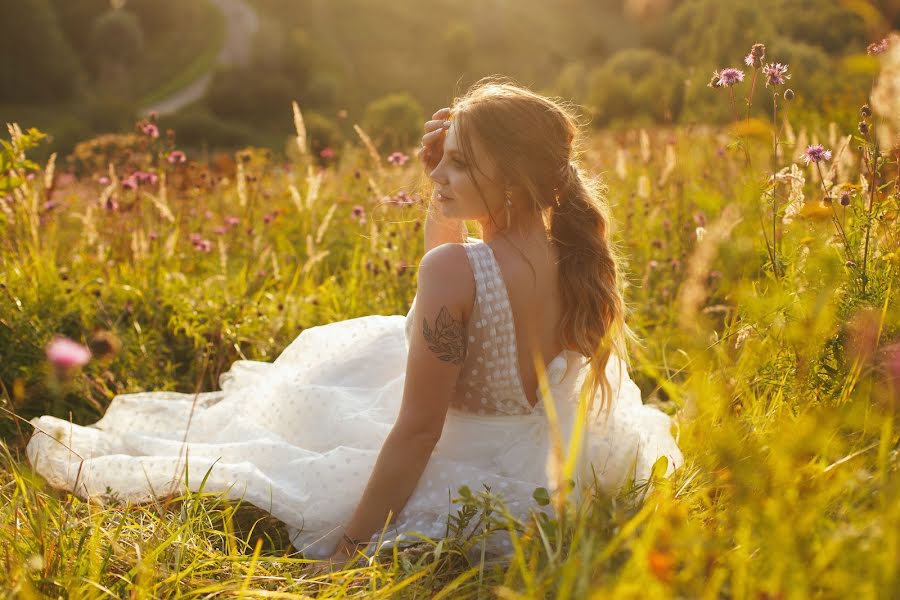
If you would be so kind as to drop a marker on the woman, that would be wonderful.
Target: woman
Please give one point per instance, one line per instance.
(386, 417)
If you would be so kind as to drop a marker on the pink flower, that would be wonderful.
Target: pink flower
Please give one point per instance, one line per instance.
(152, 236)
(776, 73)
(176, 157)
(267, 218)
(64, 353)
(150, 130)
(326, 152)
(728, 77)
(104, 180)
(130, 182)
(146, 177)
(111, 204)
(398, 158)
(220, 230)
(232, 221)
(359, 213)
(815, 154)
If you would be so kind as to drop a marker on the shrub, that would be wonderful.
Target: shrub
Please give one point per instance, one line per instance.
(637, 83)
(394, 121)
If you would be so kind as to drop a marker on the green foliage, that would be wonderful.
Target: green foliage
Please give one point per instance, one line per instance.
(394, 121)
(116, 36)
(637, 83)
(36, 62)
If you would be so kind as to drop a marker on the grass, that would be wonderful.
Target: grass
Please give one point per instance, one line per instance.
(783, 382)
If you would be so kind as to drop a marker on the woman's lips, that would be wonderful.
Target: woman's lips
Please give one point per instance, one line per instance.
(443, 197)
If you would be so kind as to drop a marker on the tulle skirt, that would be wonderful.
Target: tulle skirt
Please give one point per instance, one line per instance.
(299, 437)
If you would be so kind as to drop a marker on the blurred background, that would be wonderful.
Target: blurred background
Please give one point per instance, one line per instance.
(223, 73)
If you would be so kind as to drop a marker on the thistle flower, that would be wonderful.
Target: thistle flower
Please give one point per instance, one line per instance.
(756, 56)
(65, 353)
(176, 157)
(878, 47)
(326, 152)
(815, 153)
(104, 180)
(727, 77)
(150, 130)
(845, 198)
(232, 221)
(130, 182)
(397, 158)
(776, 73)
(359, 212)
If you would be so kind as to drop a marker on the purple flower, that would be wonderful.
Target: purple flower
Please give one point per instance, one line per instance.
(326, 152)
(728, 77)
(203, 246)
(748, 60)
(878, 47)
(398, 158)
(815, 154)
(64, 353)
(146, 177)
(111, 204)
(150, 130)
(130, 182)
(177, 156)
(104, 180)
(220, 230)
(267, 218)
(776, 73)
(358, 212)
(232, 221)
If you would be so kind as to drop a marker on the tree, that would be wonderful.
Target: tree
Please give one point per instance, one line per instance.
(37, 64)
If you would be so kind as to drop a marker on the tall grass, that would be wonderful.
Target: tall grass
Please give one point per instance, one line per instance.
(782, 376)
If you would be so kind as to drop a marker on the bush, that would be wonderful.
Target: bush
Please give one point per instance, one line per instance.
(394, 121)
(635, 84)
(244, 93)
(194, 129)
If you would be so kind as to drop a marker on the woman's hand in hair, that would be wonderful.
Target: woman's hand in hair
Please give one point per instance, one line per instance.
(432, 148)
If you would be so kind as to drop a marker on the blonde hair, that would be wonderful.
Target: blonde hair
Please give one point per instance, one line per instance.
(533, 139)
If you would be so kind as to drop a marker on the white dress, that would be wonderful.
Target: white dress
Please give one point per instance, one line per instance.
(299, 436)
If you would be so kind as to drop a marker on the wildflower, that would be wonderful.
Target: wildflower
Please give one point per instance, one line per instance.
(863, 127)
(176, 157)
(130, 182)
(397, 158)
(815, 153)
(727, 77)
(104, 180)
(204, 246)
(150, 130)
(232, 221)
(878, 47)
(865, 111)
(65, 353)
(326, 152)
(267, 218)
(652, 264)
(358, 212)
(220, 230)
(152, 236)
(756, 56)
(111, 204)
(776, 73)
(789, 94)
(145, 177)
(50, 205)
(845, 198)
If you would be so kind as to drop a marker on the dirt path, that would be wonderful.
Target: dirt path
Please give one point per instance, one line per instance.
(241, 23)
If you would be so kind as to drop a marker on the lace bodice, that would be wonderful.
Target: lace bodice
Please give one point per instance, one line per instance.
(490, 382)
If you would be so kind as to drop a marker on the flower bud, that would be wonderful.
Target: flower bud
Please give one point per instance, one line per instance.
(845, 198)
(789, 94)
(865, 111)
(863, 127)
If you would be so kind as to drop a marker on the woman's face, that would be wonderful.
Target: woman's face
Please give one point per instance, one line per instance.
(455, 191)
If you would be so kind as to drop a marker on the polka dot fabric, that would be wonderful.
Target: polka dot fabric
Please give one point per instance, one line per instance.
(299, 436)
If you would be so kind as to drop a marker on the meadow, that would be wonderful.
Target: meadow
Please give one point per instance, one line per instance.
(762, 261)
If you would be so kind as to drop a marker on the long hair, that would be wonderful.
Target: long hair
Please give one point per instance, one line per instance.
(534, 141)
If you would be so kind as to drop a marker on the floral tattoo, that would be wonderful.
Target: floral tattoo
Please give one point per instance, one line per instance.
(448, 337)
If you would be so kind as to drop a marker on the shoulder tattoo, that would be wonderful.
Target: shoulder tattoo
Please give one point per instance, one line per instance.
(447, 338)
